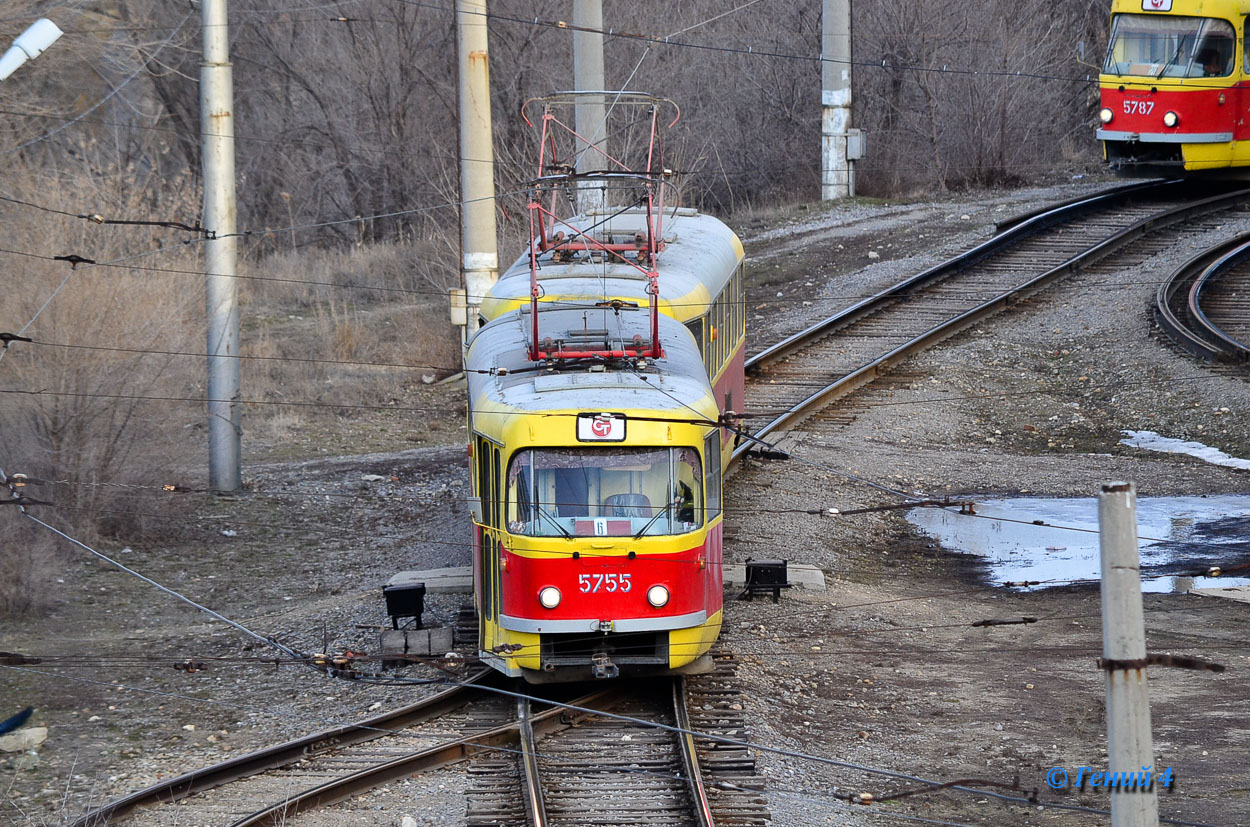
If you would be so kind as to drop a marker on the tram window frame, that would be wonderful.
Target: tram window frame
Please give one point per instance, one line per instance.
(696, 327)
(722, 309)
(1245, 43)
(740, 304)
(712, 476)
(482, 452)
(496, 520)
(718, 325)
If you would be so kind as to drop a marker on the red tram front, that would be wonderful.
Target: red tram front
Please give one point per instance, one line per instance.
(1174, 88)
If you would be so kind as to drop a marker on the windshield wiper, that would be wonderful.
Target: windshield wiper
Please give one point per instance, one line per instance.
(651, 522)
(1180, 47)
(559, 527)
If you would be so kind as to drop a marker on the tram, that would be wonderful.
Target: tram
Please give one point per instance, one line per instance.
(1175, 88)
(602, 385)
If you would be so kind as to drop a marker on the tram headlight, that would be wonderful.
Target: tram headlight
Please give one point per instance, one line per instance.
(657, 596)
(1106, 115)
(549, 597)
(1171, 119)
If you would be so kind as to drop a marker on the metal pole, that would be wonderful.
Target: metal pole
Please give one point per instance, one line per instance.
(589, 113)
(1129, 747)
(837, 176)
(480, 256)
(220, 251)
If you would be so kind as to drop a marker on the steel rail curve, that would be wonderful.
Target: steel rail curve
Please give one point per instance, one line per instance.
(1031, 226)
(870, 370)
(686, 771)
(1186, 322)
(535, 801)
(689, 757)
(441, 755)
(1138, 187)
(289, 752)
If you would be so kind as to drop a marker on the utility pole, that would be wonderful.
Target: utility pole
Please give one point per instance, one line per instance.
(838, 145)
(1129, 746)
(589, 113)
(220, 251)
(478, 244)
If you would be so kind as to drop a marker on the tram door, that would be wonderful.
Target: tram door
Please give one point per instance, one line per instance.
(488, 536)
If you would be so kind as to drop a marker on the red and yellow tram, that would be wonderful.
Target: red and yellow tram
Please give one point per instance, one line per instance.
(1175, 87)
(599, 385)
(597, 541)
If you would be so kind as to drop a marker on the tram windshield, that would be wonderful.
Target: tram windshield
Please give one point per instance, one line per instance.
(1172, 47)
(622, 492)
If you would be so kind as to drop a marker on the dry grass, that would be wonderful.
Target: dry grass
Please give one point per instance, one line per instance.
(342, 344)
(98, 417)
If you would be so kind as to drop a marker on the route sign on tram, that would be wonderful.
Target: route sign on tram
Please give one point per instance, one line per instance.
(601, 427)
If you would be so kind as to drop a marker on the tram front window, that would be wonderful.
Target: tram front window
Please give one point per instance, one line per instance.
(621, 492)
(1172, 47)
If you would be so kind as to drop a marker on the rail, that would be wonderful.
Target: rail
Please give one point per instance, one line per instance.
(290, 752)
(451, 752)
(865, 373)
(535, 803)
(690, 758)
(1185, 322)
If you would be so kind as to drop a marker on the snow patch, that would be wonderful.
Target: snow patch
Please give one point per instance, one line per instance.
(1153, 442)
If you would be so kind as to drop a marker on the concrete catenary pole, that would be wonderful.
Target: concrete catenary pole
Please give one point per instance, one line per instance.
(589, 114)
(479, 253)
(1129, 746)
(220, 251)
(837, 176)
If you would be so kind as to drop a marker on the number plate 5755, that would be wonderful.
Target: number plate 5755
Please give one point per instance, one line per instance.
(592, 583)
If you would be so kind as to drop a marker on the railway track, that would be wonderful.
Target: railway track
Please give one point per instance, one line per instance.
(797, 377)
(639, 765)
(585, 768)
(1205, 305)
(241, 790)
(620, 770)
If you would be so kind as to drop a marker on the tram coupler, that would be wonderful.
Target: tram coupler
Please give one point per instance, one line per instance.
(602, 667)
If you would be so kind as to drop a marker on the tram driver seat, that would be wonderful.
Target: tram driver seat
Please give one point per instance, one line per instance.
(627, 505)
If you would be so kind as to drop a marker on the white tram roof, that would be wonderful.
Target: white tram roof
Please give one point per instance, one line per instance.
(675, 385)
(698, 259)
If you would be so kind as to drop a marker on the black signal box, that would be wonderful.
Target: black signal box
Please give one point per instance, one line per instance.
(404, 600)
(764, 576)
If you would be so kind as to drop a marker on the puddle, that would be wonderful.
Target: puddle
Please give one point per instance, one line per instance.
(1180, 535)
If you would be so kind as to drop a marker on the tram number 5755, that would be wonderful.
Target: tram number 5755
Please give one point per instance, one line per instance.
(591, 583)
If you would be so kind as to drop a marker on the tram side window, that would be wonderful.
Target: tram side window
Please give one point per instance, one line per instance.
(712, 494)
(726, 335)
(1245, 59)
(482, 451)
(695, 326)
(740, 302)
(495, 504)
(719, 315)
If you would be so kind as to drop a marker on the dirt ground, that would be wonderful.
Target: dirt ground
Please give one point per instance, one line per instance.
(884, 669)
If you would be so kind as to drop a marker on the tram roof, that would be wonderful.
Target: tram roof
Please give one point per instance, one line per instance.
(1228, 9)
(699, 257)
(675, 385)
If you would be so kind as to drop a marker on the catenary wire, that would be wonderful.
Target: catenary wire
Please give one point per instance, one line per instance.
(269, 641)
(795, 754)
